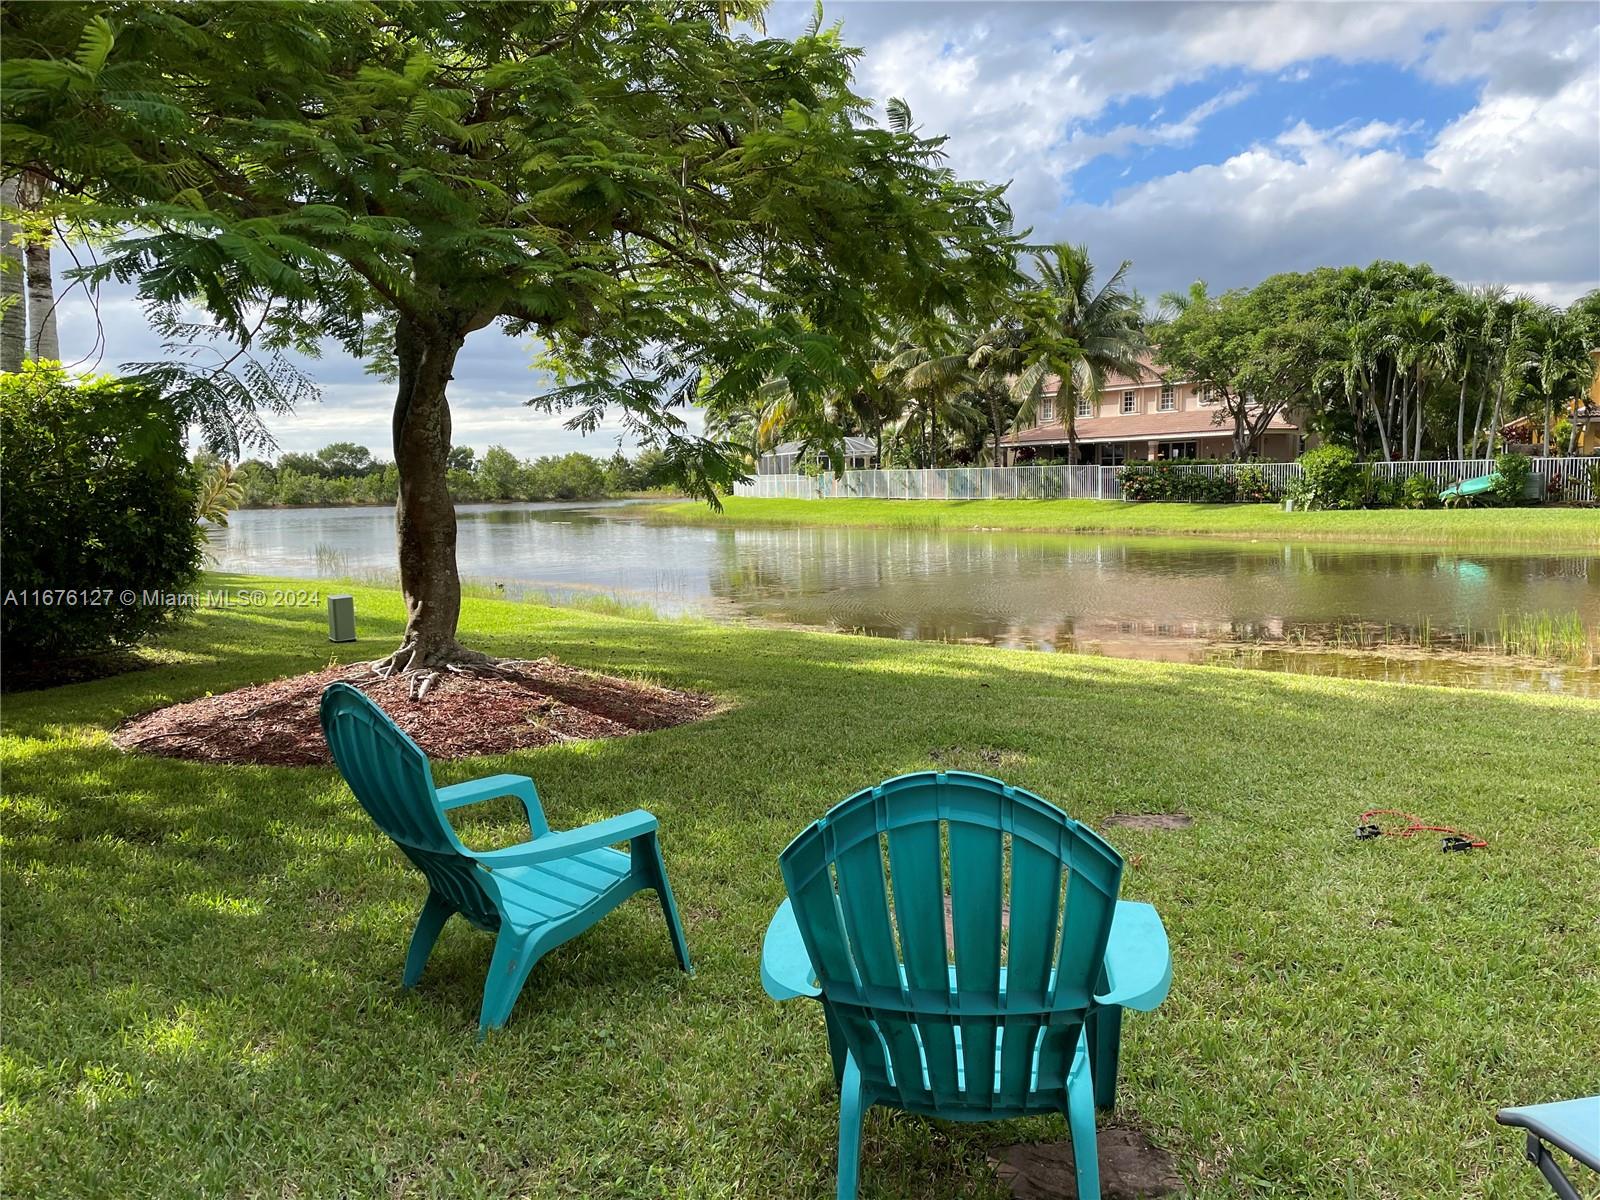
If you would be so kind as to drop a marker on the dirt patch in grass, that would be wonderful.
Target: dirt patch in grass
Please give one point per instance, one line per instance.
(1131, 1168)
(520, 706)
(1149, 821)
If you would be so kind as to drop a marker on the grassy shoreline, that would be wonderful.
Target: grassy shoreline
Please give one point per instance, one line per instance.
(1552, 528)
(203, 962)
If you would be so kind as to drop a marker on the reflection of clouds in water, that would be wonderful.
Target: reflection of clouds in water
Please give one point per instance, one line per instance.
(1135, 597)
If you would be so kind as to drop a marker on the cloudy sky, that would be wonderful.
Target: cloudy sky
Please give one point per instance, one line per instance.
(1222, 142)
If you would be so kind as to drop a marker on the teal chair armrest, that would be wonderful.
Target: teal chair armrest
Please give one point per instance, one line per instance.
(491, 787)
(1138, 964)
(554, 846)
(785, 965)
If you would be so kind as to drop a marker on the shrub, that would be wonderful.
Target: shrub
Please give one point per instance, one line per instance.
(98, 500)
(1512, 471)
(1420, 491)
(1330, 477)
(1592, 470)
(1252, 486)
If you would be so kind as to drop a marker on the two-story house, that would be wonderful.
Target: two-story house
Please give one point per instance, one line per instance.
(1133, 421)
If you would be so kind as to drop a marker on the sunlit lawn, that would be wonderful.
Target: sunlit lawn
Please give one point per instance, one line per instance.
(1557, 528)
(202, 964)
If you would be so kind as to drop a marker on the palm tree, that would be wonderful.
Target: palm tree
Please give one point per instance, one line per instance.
(1416, 340)
(1467, 321)
(1556, 360)
(929, 368)
(1076, 333)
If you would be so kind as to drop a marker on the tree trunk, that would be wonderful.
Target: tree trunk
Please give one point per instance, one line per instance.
(1549, 421)
(42, 339)
(14, 319)
(1069, 415)
(1494, 417)
(1416, 445)
(1383, 434)
(1387, 419)
(1477, 421)
(1461, 412)
(424, 513)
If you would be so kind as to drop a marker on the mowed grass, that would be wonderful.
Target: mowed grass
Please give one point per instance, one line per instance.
(202, 964)
(1565, 528)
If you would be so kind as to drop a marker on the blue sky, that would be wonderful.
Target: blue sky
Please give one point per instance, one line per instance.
(1213, 141)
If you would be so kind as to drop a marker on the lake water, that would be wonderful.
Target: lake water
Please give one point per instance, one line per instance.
(1296, 607)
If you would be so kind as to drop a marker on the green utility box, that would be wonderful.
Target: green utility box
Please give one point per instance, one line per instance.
(341, 618)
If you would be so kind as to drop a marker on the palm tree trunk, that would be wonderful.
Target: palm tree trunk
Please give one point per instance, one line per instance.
(1383, 434)
(1069, 415)
(1461, 412)
(1494, 418)
(14, 320)
(43, 343)
(1477, 421)
(1416, 447)
(1388, 420)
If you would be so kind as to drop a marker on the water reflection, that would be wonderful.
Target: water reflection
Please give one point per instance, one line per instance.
(1258, 604)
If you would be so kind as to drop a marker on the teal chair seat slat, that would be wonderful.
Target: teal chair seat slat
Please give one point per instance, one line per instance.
(970, 952)
(530, 906)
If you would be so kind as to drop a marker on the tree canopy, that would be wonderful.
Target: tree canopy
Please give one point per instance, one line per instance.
(678, 208)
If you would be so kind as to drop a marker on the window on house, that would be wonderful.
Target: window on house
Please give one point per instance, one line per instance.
(1047, 410)
(1207, 396)
(1169, 399)
(1130, 402)
(1113, 454)
(1085, 407)
(1175, 450)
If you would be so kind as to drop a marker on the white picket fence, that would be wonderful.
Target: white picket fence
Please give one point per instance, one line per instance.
(943, 483)
(1100, 483)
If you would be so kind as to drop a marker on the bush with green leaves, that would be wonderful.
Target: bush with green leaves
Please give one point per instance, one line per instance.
(1511, 477)
(1252, 486)
(1420, 491)
(1166, 480)
(1330, 477)
(99, 501)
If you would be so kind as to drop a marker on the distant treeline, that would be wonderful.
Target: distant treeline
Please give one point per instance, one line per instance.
(345, 473)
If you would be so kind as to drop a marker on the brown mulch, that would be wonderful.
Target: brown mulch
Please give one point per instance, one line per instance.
(517, 707)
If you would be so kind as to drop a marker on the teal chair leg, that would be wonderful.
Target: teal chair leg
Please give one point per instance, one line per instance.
(1080, 1121)
(1105, 1049)
(434, 914)
(508, 971)
(655, 875)
(851, 1114)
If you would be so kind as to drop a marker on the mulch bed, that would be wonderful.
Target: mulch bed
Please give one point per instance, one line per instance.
(520, 706)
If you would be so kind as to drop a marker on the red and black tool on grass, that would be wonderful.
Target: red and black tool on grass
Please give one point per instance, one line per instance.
(1453, 841)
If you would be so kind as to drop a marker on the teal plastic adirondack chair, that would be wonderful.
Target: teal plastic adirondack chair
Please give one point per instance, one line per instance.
(533, 896)
(978, 1016)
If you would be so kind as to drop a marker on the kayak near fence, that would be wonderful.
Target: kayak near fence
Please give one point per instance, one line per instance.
(1101, 483)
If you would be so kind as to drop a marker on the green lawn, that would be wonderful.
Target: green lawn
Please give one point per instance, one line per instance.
(202, 964)
(1564, 528)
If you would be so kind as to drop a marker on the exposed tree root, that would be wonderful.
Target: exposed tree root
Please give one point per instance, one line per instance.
(423, 662)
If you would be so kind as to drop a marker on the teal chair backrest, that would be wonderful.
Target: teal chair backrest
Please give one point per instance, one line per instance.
(932, 1022)
(391, 777)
